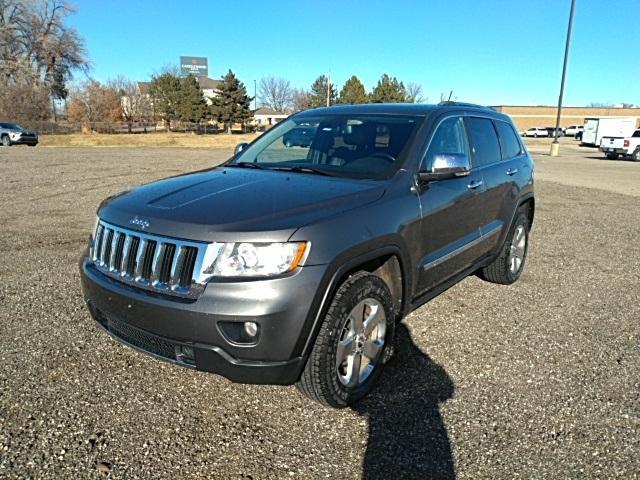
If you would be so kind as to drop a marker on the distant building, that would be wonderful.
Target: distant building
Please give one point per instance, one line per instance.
(209, 87)
(265, 116)
(526, 116)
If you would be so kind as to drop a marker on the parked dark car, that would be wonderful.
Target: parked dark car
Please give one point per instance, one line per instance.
(299, 137)
(14, 134)
(290, 266)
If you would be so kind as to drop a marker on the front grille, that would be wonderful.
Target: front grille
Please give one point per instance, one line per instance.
(151, 262)
(141, 339)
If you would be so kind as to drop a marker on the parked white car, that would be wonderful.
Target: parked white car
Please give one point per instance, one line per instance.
(614, 147)
(535, 132)
(573, 130)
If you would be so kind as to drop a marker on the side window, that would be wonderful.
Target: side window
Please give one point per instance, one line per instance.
(485, 148)
(508, 140)
(450, 137)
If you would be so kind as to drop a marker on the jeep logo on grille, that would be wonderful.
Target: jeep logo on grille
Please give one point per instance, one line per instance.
(142, 223)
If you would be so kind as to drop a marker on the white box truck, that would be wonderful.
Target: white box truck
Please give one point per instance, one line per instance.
(596, 128)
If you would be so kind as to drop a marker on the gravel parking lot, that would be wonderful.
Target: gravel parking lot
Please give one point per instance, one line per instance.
(535, 380)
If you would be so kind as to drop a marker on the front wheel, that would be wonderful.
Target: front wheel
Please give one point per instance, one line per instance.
(509, 264)
(354, 343)
(6, 141)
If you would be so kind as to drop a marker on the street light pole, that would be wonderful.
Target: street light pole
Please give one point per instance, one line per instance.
(555, 146)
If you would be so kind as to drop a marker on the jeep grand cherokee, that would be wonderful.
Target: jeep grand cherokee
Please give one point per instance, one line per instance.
(293, 264)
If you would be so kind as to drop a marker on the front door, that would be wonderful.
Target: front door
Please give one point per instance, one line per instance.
(451, 210)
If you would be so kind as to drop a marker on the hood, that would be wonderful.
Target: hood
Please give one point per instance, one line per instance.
(236, 204)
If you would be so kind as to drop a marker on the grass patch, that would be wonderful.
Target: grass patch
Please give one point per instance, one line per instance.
(160, 139)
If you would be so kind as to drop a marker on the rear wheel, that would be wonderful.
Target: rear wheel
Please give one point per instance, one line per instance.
(635, 156)
(354, 343)
(509, 264)
(612, 156)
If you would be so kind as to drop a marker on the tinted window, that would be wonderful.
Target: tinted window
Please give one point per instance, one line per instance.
(485, 148)
(450, 137)
(636, 134)
(508, 140)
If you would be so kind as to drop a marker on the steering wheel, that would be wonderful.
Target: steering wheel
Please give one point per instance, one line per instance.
(384, 156)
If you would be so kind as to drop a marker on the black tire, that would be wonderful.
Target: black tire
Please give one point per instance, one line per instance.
(320, 379)
(6, 141)
(500, 271)
(535, 135)
(635, 156)
(612, 156)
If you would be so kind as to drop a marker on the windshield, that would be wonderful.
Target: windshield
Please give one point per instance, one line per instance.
(356, 146)
(11, 126)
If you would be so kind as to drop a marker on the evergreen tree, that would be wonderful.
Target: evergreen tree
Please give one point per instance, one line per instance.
(191, 105)
(165, 92)
(231, 105)
(353, 92)
(390, 90)
(318, 93)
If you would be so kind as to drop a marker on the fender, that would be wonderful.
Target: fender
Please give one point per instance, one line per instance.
(331, 282)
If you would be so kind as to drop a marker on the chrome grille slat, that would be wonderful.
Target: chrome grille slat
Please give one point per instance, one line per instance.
(149, 261)
(156, 265)
(177, 266)
(126, 252)
(97, 243)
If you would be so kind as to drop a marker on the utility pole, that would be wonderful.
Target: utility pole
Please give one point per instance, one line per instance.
(329, 89)
(255, 95)
(555, 145)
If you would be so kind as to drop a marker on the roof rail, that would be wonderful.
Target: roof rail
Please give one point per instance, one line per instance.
(447, 103)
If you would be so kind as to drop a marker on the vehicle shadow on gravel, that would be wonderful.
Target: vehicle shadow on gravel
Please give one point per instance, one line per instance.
(407, 435)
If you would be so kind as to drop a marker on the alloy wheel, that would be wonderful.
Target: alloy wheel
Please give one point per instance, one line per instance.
(361, 342)
(518, 249)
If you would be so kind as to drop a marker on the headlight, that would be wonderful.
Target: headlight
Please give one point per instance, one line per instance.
(256, 259)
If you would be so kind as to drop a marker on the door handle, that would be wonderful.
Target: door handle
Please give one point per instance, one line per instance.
(475, 184)
(512, 171)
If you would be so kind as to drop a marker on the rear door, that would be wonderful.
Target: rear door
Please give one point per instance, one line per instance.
(451, 210)
(487, 156)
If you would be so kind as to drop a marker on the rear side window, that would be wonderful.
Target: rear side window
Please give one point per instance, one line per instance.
(508, 140)
(485, 148)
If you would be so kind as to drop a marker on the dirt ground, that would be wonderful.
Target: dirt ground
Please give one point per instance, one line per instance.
(535, 380)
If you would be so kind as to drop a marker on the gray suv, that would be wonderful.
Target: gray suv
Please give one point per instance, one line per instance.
(294, 264)
(14, 134)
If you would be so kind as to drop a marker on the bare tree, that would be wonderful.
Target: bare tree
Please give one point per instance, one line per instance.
(136, 105)
(414, 92)
(37, 49)
(300, 100)
(93, 102)
(275, 93)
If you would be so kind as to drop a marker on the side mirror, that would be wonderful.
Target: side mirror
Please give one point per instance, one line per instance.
(447, 165)
(240, 147)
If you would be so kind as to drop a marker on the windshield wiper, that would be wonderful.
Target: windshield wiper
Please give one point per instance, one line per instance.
(247, 165)
(315, 171)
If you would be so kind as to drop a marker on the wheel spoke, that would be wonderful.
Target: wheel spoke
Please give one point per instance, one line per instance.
(357, 317)
(354, 369)
(371, 349)
(345, 348)
(374, 319)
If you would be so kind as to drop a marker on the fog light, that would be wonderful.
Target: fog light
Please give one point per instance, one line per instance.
(251, 328)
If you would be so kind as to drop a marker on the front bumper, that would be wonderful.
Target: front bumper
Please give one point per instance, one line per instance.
(24, 141)
(191, 333)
